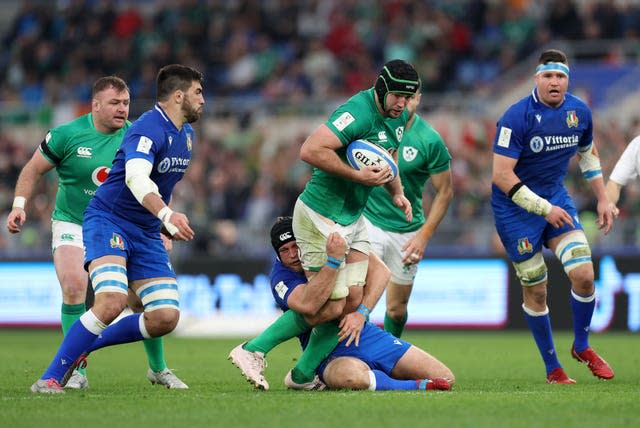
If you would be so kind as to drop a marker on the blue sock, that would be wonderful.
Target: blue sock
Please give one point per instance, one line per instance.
(126, 330)
(540, 326)
(386, 383)
(582, 308)
(75, 342)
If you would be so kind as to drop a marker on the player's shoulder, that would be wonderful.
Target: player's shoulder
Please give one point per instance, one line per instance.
(79, 124)
(152, 124)
(573, 101)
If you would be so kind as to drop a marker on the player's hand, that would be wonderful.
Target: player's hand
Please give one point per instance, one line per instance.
(605, 216)
(615, 211)
(351, 326)
(336, 245)
(374, 175)
(16, 218)
(180, 230)
(413, 250)
(558, 217)
(403, 203)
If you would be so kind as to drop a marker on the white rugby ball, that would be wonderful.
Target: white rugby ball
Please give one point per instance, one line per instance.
(361, 153)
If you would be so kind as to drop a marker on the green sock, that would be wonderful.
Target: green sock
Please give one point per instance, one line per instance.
(155, 353)
(68, 315)
(323, 339)
(394, 327)
(287, 326)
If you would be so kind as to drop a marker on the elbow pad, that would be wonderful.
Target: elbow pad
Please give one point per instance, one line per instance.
(137, 172)
(589, 163)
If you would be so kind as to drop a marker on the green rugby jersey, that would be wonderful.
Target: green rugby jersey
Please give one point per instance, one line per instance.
(82, 156)
(338, 198)
(422, 153)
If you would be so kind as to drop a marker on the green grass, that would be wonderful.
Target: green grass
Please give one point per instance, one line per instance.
(500, 383)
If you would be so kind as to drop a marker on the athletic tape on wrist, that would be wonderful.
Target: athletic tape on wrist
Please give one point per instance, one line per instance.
(363, 310)
(18, 202)
(164, 214)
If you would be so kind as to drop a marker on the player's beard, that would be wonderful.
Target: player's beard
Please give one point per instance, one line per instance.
(190, 113)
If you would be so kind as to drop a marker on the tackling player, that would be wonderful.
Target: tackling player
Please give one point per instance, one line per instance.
(380, 361)
(535, 140)
(123, 247)
(82, 151)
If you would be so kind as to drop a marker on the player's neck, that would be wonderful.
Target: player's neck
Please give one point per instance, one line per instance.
(174, 113)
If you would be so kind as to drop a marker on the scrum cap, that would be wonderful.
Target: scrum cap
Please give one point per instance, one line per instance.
(282, 232)
(399, 77)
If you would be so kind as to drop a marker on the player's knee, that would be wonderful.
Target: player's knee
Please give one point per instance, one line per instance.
(396, 311)
(107, 307)
(161, 305)
(346, 373)
(161, 321)
(531, 272)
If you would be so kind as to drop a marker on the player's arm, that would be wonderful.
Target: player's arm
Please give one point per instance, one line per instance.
(394, 187)
(378, 276)
(138, 180)
(31, 173)
(505, 178)
(319, 150)
(442, 183)
(308, 299)
(589, 162)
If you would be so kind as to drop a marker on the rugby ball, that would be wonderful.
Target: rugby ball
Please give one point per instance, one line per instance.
(362, 153)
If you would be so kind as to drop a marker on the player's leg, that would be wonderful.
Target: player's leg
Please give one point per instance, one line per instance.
(573, 251)
(419, 364)
(68, 259)
(325, 336)
(108, 276)
(396, 315)
(158, 372)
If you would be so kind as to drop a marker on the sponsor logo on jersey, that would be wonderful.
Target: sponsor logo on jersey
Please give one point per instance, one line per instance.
(382, 136)
(281, 289)
(173, 164)
(84, 152)
(170, 139)
(572, 119)
(344, 120)
(99, 175)
(504, 137)
(189, 142)
(67, 237)
(399, 132)
(538, 117)
(116, 241)
(144, 145)
(524, 246)
(409, 153)
(396, 342)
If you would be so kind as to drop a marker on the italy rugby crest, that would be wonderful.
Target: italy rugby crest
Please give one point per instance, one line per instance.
(572, 119)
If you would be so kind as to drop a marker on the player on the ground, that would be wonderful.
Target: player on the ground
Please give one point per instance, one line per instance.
(400, 244)
(379, 362)
(82, 151)
(121, 224)
(535, 140)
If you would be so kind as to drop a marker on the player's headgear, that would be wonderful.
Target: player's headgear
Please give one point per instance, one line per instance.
(553, 60)
(282, 232)
(397, 76)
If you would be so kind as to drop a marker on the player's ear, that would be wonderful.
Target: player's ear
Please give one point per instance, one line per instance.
(178, 96)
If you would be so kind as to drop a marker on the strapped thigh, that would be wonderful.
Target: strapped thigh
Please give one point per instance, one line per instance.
(573, 251)
(109, 278)
(532, 271)
(159, 294)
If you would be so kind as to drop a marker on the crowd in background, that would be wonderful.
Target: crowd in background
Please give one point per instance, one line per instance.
(246, 169)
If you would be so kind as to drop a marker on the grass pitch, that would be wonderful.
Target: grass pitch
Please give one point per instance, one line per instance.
(501, 383)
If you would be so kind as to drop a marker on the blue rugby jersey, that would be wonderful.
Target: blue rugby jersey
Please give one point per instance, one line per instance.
(543, 139)
(155, 138)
